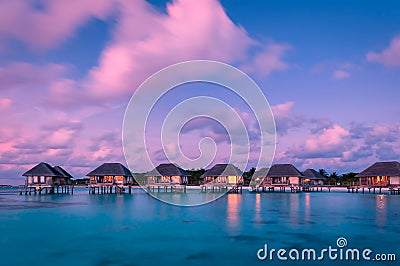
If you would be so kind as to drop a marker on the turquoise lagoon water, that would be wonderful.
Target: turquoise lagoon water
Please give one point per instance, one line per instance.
(136, 229)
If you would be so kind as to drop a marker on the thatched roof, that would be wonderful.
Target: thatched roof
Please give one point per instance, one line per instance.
(167, 169)
(42, 169)
(281, 170)
(312, 174)
(381, 169)
(261, 173)
(111, 169)
(62, 172)
(222, 170)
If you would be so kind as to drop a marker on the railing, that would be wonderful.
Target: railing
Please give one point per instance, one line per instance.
(369, 183)
(102, 182)
(280, 183)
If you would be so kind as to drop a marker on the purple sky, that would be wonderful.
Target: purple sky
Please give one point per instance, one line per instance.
(330, 70)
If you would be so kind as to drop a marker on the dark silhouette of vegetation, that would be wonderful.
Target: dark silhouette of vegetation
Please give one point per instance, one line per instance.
(195, 179)
(247, 176)
(323, 173)
(80, 181)
(331, 178)
(335, 179)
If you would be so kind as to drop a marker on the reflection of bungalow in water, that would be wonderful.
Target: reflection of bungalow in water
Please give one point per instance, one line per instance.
(381, 174)
(45, 177)
(167, 173)
(313, 178)
(283, 174)
(227, 174)
(111, 174)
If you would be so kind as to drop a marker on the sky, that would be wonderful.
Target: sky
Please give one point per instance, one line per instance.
(330, 71)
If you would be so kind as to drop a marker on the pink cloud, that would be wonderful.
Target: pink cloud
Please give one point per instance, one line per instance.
(389, 57)
(52, 22)
(285, 119)
(333, 147)
(330, 138)
(143, 41)
(5, 104)
(26, 75)
(329, 143)
(163, 39)
(65, 94)
(341, 74)
(282, 110)
(268, 60)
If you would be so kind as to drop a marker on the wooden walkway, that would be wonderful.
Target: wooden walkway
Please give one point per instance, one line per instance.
(393, 190)
(165, 187)
(104, 188)
(290, 188)
(221, 187)
(47, 189)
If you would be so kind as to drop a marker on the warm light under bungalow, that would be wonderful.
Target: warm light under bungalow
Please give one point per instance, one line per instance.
(258, 177)
(111, 173)
(44, 174)
(313, 178)
(167, 173)
(283, 174)
(381, 174)
(223, 174)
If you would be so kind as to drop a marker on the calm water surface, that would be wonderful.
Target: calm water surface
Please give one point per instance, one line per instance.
(83, 229)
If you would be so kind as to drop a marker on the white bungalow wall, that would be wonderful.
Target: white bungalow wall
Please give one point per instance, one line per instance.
(294, 180)
(39, 180)
(395, 180)
(179, 179)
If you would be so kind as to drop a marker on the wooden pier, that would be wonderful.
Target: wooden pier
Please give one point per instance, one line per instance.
(375, 189)
(221, 187)
(166, 187)
(39, 189)
(394, 190)
(282, 188)
(109, 189)
(314, 188)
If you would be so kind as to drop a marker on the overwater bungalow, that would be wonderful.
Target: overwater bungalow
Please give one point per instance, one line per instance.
(44, 177)
(282, 176)
(167, 175)
(313, 178)
(223, 174)
(220, 176)
(380, 174)
(258, 177)
(108, 176)
(65, 177)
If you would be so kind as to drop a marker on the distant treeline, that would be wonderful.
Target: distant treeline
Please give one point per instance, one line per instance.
(335, 179)
(80, 181)
(332, 178)
(194, 179)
